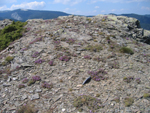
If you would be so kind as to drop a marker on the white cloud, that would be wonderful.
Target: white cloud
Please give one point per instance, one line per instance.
(96, 7)
(61, 1)
(146, 8)
(71, 2)
(118, 1)
(3, 7)
(30, 5)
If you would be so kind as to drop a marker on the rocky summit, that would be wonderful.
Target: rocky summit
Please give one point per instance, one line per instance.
(77, 64)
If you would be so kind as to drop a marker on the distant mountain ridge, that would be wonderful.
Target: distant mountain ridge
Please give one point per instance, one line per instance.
(24, 15)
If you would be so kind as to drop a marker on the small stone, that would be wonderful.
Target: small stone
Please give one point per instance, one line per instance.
(57, 98)
(63, 109)
(68, 69)
(15, 78)
(6, 84)
(64, 44)
(80, 85)
(24, 97)
(38, 90)
(35, 96)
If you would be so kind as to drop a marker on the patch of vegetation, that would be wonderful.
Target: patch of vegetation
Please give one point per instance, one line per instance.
(146, 95)
(93, 48)
(87, 57)
(33, 80)
(4, 63)
(25, 80)
(39, 61)
(65, 58)
(138, 80)
(98, 75)
(114, 64)
(97, 95)
(117, 99)
(30, 82)
(47, 85)
(128, 101)
(128, 79)
(26, 109)
(51, 63)
(70, 41)
(10, 33)
(126, 50)
(9, 58)
(21, 86)
(91, 102)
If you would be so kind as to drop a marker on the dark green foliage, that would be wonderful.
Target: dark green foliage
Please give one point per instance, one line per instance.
(10, 33)
(126, 50)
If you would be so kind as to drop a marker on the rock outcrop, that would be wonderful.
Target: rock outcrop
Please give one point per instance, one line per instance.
(5, 23)
(48, 65)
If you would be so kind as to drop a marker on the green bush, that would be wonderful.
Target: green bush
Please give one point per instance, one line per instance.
(126, 50)
(10, 33)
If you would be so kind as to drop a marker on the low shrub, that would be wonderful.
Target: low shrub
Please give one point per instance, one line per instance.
(10, 33)
(91, 102)
(65, 58)
(126, 50)
(47, 85)
(33, 80)
(128, 101)
(128, 79)
(51, 63)
(39, 61)
(87, 57)
(26, 109)
(21, 86)
(98, 75)
(93, 48)
(25, 80)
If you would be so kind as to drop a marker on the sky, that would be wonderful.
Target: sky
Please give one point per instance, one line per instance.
(81, 7)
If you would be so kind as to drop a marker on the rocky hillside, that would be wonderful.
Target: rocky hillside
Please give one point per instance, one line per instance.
(77, 64)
